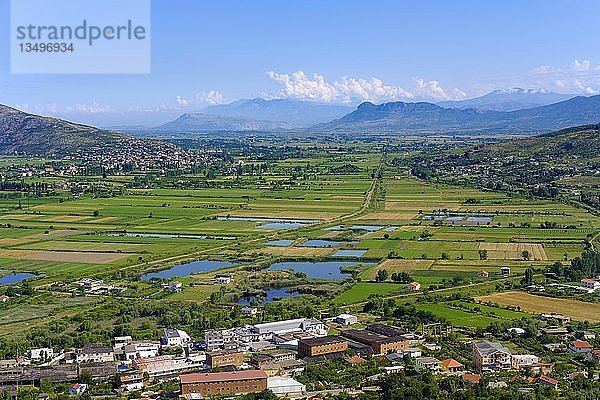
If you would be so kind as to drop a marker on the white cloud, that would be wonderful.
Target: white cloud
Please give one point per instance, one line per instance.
(299, 85)
(211, 97)
(181, 101)
(581, 66)
(544, 69)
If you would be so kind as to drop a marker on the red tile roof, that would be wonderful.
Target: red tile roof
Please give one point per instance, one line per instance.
(547, 379)
(471, 378)
(451, 363)
(581, 344)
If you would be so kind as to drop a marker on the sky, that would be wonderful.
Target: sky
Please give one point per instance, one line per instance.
(340, 52)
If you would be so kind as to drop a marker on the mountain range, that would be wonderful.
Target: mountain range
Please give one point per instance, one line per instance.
(426, 118)
(509, 100)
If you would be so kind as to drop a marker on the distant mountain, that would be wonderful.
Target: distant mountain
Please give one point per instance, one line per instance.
(425, 118)
(293, 112)
(509, 100)
(24, 133)
(204, 123)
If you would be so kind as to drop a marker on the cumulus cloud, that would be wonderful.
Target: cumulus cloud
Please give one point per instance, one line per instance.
(181, 101)
(581, 66)
(209, 98)
(300, 85)
(544, 69)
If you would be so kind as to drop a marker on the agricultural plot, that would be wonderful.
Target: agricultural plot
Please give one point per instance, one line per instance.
(513, 251)
(361, 291)
(577, 310)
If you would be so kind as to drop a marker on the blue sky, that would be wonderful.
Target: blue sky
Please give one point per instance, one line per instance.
(206, 52)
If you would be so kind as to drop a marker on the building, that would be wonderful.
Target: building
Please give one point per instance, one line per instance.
(139, 350)
(346, 319)
(174, 287)
(595, 355)
(214, 339)
(412, 352)
(309, 325)
(490, 356)
(591, 284)
(579, 346)
(470, 379)
(380, 344)
(483, 274)
(223, 279)
(95, 353)
(505, 271)
(431, 364)
(251, 311)
(77, 389)
(451, 366)
(175, 337)
(130, 380)
(563, 319)
(121, 341)
(283, 385)
(413, 286)
(520, 361)
(223, 383)
(548, 382)
(167, 365)
(320, 346)
(555, 330)
(4, 298)
(222, 358)
(41, 354)
(386, 330)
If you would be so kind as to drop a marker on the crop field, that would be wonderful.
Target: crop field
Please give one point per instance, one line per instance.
(361, 292)
(513, 251)
(578, 310)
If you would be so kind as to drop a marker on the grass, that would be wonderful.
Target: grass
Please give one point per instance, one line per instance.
(361, 292)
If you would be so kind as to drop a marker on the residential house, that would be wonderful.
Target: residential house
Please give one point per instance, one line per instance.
(505, 271)
(451, 366)
(579, 346)
(595, 355)
(346, 319)
(490, 356)
(174, 287)
(130, 380)
(520, 361)
(470, 379)
(78, 389)
(413, 286)
(591, 284)
(223, 279)
(4, 298)
(251, 311)
(412, 352)
(548, 382)
(175, 337)
(41, 354)
(483, 274)
(94, 353)
(431, 364)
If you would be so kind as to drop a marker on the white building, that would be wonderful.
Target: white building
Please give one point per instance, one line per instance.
(251, 311)
(121, 341)
(591, 284)
(346, 319)
(41, 354)
(431, 364)
(267, 330)
(140, 350)
(519, 361)
(412, 352)
(283, 385)
(91, 353)
(175, 337)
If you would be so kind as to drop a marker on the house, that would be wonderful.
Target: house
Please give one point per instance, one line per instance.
(516, 331)
(483, 274)
(541, 368)
(174, 287)
(175, 337)
(251, 311)
(451, 366)
(77, 389)
(520, 361)
(431, 364)
(346, 319)
(130, 380)
(595, 355)
(413, 286)
(505, 271)
(354, 360)
(554, 346)
(548, 382)
(579, 346)
(590, 284)
(4, 298)
(562, 319)
(412, 352)
(490, 356)
(587, 335)
(122, 341)
(139, 350)
(94, 353)
(41, 354)
(223, 279)
(555, 330)
(470, 379)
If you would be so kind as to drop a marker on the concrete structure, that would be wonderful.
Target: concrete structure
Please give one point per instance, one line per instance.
(251, 311)
(580, 346)
(431, 364)
(283, 385)
(490, 356)
(41, 354)
(223, 279)
(130, 380)
(319, 346)
(223, 383)
(222, 358)
(380, 344)
(139, 350)
(412, 352)
(94, 353)
(175, 337)
(520, 361)
(308, 325)
(174, 287)
(160, 366)
(122, 341)
(505, 271)
(346, 319)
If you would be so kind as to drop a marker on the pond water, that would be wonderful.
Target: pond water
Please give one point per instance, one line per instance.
(271, 296)
(349, 253)
(191, 268)
(321, 269)
(455, 218)
(334, 228)
(281, 243)
(390, 229)
(370, 228)
(15, 278)
(282, 225)
(261, 219)
(320, 243)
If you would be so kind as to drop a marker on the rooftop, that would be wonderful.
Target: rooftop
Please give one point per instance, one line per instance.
(323, 340)
(485, 347)
(222, 376)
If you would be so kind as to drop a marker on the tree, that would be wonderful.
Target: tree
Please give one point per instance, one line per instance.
(526, 255)
(483, 255)
(528, 279)
(382, 275)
